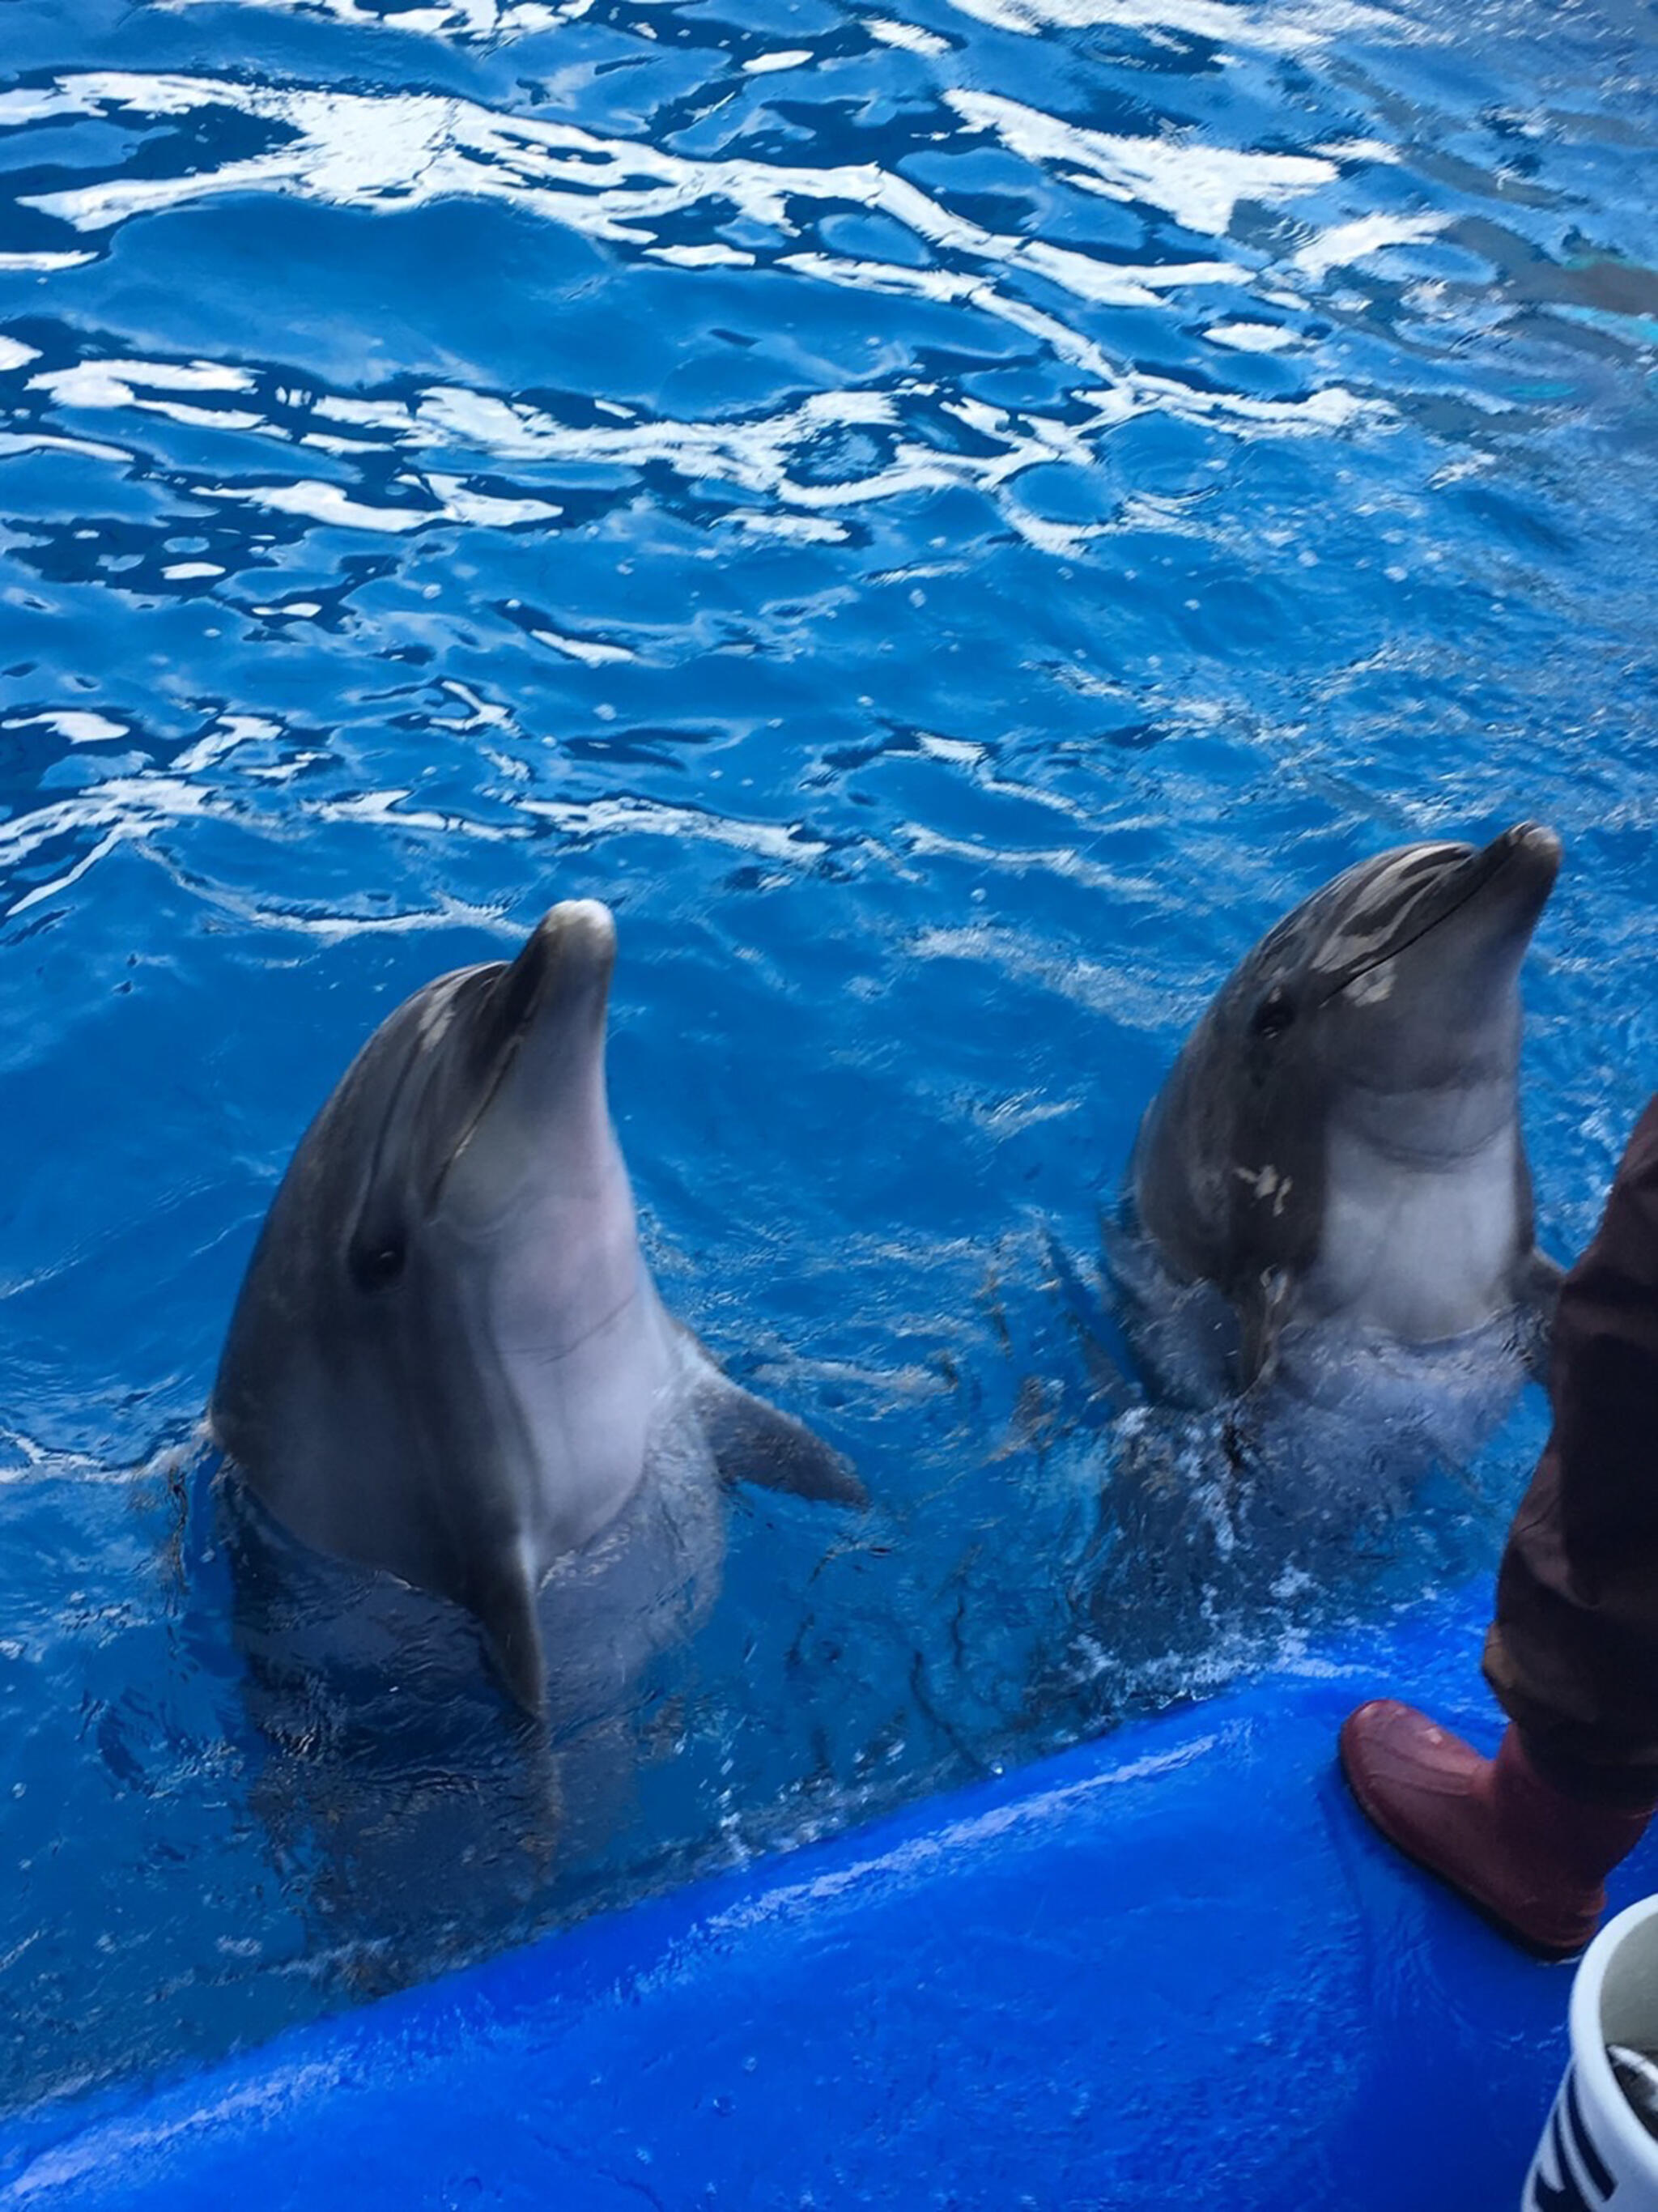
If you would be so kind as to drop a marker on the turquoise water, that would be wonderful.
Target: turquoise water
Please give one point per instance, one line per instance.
(949, 521)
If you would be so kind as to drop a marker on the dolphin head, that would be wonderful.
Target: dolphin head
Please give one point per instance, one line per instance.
(1340, 1134)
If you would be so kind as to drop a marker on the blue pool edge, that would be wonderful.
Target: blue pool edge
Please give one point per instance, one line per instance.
(1171, 1965)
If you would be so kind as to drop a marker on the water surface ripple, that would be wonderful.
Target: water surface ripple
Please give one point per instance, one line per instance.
(949, 521)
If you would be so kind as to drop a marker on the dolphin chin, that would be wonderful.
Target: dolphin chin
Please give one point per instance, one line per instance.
(1338, 1148)
(448, 1360)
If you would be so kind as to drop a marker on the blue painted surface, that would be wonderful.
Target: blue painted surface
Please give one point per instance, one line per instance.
(1173, 1968)
(951, 517)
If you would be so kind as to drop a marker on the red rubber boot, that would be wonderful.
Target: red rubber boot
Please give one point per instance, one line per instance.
(1532, 1858)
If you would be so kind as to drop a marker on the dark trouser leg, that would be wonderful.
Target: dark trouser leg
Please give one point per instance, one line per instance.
(1573, 1653)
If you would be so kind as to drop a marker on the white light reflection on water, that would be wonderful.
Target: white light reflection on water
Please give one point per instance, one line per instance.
(769, 457)
(350, 150)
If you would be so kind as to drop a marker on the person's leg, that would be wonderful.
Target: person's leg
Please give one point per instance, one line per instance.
(1572, 1655)
(1573, 1652)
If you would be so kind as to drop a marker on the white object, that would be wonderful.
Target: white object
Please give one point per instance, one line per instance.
(1594, 2150)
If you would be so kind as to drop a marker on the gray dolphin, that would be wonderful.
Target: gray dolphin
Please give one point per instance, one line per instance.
(448, 1359)
(1339, 1140)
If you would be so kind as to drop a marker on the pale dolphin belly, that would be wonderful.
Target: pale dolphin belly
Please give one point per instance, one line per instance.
(592, 1411)
(1418, 1250)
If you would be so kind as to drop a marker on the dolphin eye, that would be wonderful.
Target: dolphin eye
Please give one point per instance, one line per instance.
(1274, 1014)
(378, 1262)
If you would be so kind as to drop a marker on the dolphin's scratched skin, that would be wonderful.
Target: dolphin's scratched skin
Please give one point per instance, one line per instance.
(448, 1359)
(1337, 1149)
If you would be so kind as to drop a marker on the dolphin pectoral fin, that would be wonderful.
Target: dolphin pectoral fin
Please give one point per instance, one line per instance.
(1263, 1306)
(753, 1441)
(1537, 1292)
(506, 1608)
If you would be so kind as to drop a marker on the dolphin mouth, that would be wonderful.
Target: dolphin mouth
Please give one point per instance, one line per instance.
(569, 954)
(1526, 858)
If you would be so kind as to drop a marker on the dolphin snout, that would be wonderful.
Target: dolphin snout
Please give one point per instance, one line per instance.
(571, 952)
(577, 929)
(1536, 842)
(1535, 839)
(558, 988)
(1521, 865)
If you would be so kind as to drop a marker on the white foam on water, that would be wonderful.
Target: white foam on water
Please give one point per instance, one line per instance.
(67, 384)
(908, 36)
(1285, 29)
(779, 457)
(461, 504)
(39, 104)
(1252, 337)
(1199, 184)
(125, 810)
(714, 256)
(1349, 242)
(320, 502)
(802, 529)
(591, 651)
(79, 726)
(486, 20)
(135, 811)
(636, 815)
(112, 384)
(42, 441)
(217, 742)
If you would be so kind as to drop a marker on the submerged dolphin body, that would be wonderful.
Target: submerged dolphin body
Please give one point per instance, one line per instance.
(448, 1359)
(1337, 1152)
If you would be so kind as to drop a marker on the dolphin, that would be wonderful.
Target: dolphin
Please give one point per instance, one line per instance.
(448, 1360)
(1338, 1147)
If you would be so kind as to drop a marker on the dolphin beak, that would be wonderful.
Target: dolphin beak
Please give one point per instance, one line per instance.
(1488, 899)
(547, 1011)
(538, 1047)
(1507, 889)
(1512, 877)
(1530, 854)
(578, 936)
(570, 955)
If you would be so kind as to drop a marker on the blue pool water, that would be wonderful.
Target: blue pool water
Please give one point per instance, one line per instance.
(949, 521)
